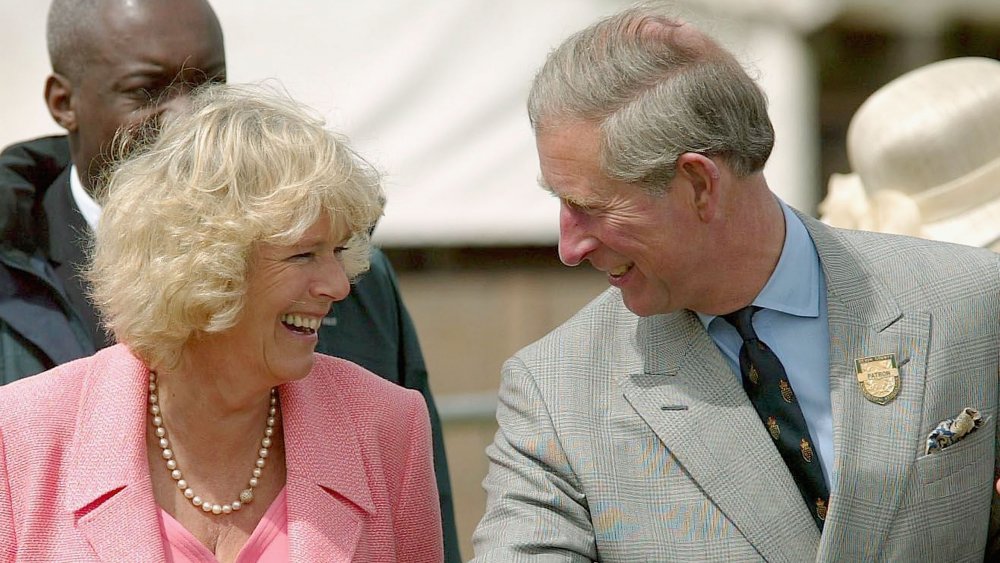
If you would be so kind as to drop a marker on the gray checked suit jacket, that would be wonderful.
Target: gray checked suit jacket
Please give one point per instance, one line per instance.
(628, 439)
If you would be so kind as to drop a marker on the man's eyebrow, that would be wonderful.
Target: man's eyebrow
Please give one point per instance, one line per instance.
(542, 184)
(143, 72)
(582, 203)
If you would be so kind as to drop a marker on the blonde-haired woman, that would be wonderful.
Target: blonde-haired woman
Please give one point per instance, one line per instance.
(213, 430)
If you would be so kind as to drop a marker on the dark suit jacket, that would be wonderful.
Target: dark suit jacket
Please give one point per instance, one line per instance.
(370, 327)
(45, 319)
(63, 235)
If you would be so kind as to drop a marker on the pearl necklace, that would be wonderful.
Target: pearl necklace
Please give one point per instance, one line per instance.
(246, 495)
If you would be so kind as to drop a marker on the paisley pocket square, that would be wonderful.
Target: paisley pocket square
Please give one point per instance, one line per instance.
(951, 430)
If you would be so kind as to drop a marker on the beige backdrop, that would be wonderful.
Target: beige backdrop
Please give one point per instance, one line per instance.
(470, 319)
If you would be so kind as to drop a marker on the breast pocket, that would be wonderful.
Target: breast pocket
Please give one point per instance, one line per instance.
(965, 464)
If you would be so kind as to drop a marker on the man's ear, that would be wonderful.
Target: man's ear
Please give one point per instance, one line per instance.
(59, 99)
(704, 177)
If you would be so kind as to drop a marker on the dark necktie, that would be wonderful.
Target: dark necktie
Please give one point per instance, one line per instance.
(766, 384)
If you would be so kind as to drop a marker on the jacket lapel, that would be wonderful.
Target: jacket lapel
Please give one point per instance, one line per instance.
(112, 496)
(67, 234)
(328, 495)
(873, 444)
(689, 396)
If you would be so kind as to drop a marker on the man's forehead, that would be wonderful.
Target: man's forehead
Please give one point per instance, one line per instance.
(567, 153)
(557, 130)
(181, 29)
(140, 64)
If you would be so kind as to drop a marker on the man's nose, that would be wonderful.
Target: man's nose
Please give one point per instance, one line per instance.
(575, 240)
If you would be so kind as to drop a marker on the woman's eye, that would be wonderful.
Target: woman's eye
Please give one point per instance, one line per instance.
(339, 251)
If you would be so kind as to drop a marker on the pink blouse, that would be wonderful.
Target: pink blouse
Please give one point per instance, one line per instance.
(268, 543)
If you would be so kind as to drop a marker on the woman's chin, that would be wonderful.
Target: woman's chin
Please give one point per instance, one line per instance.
(295, 370)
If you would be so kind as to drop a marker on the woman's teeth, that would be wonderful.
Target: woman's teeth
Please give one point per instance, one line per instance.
(307, 325)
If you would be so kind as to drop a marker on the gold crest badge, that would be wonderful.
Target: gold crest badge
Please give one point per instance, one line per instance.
(807, 451)
(773, 428)
(754, 376)
(786, 391)
(821, 508)
(878, 377)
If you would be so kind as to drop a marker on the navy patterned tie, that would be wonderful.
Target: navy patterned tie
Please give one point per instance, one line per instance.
(766, 383)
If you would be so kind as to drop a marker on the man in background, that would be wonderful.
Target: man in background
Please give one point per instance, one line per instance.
(755, 385)
(119, 65)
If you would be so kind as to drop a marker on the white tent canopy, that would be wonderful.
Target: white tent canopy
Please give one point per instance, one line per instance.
(433, 92)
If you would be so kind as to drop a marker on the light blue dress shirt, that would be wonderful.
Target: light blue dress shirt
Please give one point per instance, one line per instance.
(793, 322)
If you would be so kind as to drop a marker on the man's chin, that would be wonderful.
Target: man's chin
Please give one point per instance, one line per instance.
(643, 307)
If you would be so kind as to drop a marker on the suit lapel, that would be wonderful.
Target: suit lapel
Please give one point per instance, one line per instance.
(873, 444)
(688, 394)
(328, 495)
(111, 494)
(67, 233)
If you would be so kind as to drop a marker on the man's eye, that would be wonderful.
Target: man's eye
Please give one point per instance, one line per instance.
(302, 256)
(143, 94)
(339, 251)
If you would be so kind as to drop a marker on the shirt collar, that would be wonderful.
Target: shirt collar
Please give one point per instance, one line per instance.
(793, 287)
(89, 208)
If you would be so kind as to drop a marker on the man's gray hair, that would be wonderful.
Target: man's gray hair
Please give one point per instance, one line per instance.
(69, 27)
(657, 88)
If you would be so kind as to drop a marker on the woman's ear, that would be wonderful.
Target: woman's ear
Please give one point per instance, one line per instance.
(59, 100)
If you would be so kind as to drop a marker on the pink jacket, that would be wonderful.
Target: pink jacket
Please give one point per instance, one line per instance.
(75, 485)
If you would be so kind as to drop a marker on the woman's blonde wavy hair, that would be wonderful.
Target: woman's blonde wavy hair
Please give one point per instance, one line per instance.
(240, 165)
